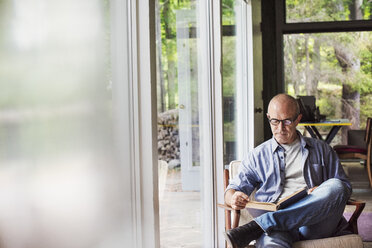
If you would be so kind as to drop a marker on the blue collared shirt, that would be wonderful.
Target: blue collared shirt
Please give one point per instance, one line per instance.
(264, 168)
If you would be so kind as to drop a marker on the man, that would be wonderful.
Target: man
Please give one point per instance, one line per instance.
(281, 166)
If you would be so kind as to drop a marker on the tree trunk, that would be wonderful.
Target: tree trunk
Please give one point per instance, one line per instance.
(350, 109)
(308, 76)
(171, 79)
(316, 69)
(356, 10)
(312, 75)
(170, 76)
(159, 66)
(290, 58)
(350, 97)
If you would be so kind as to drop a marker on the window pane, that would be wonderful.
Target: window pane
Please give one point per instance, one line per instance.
(235, 48)
(179, 73)
(181, 98)
(337, 69)
(58, 170)
(325, 10)
(229, 41)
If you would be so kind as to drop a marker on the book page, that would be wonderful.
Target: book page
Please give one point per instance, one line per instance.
(269, 206)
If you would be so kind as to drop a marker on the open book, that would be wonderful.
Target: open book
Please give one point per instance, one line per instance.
(283, 203)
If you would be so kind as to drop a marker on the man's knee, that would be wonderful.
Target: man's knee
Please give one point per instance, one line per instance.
(336, 186)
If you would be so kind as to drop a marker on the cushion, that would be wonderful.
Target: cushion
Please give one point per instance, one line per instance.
(356, 138)
(346, 241)
(342, 149)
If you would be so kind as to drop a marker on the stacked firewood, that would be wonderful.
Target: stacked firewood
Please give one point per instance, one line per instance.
(168, 136)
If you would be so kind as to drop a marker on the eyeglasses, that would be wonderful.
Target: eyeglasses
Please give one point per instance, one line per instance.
(286, 122)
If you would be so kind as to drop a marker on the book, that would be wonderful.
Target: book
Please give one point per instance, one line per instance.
(283, 203)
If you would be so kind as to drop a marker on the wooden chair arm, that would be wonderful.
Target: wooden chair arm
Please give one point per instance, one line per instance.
(224, 206)
(225, 178)
(353, 221)
(236, 216)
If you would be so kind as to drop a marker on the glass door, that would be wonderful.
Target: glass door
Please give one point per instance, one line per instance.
(238, 90)
(188, 67)
(184, 131)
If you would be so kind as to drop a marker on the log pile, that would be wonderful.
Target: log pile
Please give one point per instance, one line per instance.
(168, 136)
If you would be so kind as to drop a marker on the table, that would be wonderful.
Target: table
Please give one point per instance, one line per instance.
(336, 124)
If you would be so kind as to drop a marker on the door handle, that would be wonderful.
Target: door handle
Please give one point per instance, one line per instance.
(258, 110)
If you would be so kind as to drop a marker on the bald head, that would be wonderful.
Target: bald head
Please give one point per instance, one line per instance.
(283, 108)
(284, 101)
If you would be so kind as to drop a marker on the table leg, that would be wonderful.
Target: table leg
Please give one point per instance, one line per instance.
(318, 135)
(312, 134)
(313, 131)
(332, 134)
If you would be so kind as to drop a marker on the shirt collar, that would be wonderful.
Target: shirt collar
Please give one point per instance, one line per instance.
(275, 145)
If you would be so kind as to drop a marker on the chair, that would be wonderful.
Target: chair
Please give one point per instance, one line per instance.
(162, 173)
(233, 219)
(357, 148)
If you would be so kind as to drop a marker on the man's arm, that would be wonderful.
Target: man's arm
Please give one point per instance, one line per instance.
(236, 199)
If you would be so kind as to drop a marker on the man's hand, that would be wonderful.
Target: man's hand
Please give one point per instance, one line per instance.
(239, 200)
(311, 190)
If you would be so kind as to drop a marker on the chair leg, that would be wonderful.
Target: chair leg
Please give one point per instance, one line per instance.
(353, 221)
(369, 165)
(236, 217)
(227, 220)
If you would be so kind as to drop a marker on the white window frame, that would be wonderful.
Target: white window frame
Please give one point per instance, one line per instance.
(134, 95)
(212, 119)
(245, 85)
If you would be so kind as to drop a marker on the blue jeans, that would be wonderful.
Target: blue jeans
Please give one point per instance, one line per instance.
(316, 216)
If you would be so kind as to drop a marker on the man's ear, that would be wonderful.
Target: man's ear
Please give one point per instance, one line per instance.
(299, 118)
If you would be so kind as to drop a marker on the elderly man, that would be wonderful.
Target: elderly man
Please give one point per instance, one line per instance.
(281, 166)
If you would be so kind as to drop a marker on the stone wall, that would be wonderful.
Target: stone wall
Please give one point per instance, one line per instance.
(168, 137)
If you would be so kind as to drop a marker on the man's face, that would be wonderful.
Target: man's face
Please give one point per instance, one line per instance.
(284, 133)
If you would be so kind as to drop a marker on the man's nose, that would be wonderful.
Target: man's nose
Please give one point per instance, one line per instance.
(281, 125)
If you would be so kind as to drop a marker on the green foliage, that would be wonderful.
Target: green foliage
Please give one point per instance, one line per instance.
(229, 66)
(168, 10)
(362, 83)
(228, 15)
(325, 62)
(317, 10)
(367, 8)
(366, 59)
(229, 129)
(329, 100)
(324, 10)
(169, 56)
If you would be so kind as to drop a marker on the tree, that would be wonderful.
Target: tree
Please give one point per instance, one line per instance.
(317, 63)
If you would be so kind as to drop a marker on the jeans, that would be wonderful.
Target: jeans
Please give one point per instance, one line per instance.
(316, 216)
